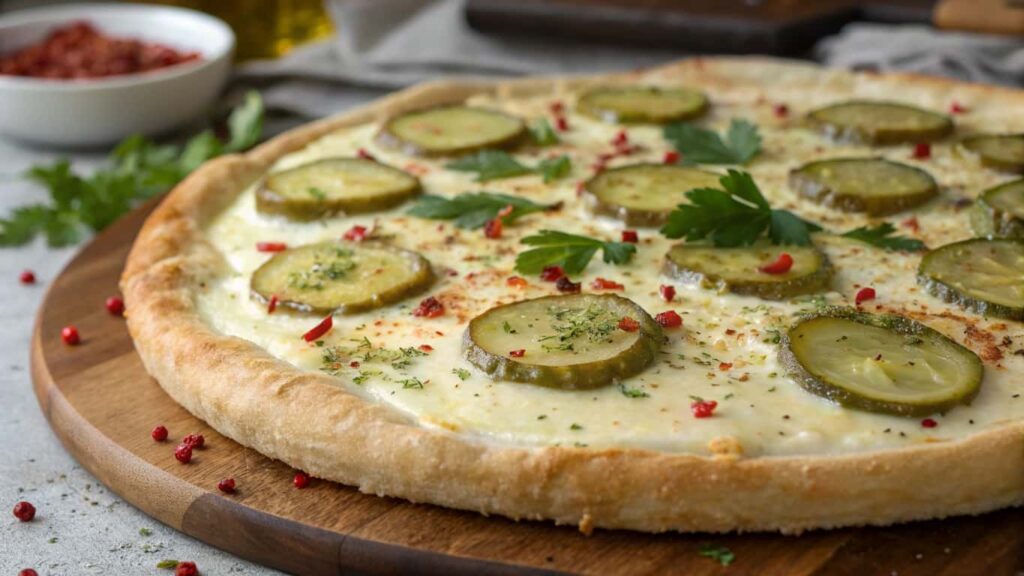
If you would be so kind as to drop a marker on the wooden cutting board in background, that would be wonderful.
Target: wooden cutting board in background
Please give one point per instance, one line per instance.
(778, 27)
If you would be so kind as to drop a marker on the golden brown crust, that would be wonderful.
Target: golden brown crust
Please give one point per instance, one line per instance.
(305, 420)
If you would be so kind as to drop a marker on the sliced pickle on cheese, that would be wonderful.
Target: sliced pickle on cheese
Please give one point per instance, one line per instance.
(644, 194)
(642, 104)
(573, 342)
(880, 363)
(999, 151)
(985, 276)
(336, 277)
(742, 270)
(999, 212)
(452, 130)
(334, 186)
(880, 122)
(872, 185)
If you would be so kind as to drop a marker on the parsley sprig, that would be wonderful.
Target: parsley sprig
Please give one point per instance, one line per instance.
(496, 165)
(702, 146)
(474, 209)
(882, 236)
(139, 169)
(542, 133)
(737, 215)
(570, 251)
(723, 555)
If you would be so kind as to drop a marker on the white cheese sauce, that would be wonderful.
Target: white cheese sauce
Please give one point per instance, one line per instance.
(725, 350)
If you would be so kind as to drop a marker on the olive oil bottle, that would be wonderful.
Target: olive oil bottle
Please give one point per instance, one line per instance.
(266, 28)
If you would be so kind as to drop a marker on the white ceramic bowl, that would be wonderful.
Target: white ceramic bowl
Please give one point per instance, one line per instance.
(100, 111)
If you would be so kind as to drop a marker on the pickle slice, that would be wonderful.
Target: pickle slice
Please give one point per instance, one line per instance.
(999, 151)
(452, 130)
(999, 212)
(879, 122)
(739, 270)
(571, 342)
(642, 104)
(332, 277)
(872, 185)
(880, 363)
(644, 194)
(982, 275)
(334, 186)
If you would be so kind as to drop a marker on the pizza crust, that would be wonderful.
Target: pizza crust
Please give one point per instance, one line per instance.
(305, 420)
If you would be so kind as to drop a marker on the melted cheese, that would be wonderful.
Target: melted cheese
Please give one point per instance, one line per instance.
(724, 352)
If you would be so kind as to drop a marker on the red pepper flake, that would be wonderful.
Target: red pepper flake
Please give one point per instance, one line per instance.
(28, 572)
(863, 295)
(353, 364)
(671, 157)
(516, 282)
(115, 305)
(621, 139)
(669, 319)
(911, 223)
(628, 324)
(561, 124)
(429, 307)
(922, 151)
(668, 293)
(563, 284)
(272, 305)
(493, 228)
(517, 353)
(70, 336)
(27, 277)
(929, 423)
(605, 284)
(630, 236)
(226, 485)
(552, 273)
(356, 234)
(319, 330)
(301, 480)
(703, 408)
(24, 511)
(957, 108)
(780, 110)
(362, 153)
(781, 265)
(159, 434)
(186, 569)
(725, 366)
(194, 440)
(183, 453)
(426, 348)
(271, 246)
(557, 107)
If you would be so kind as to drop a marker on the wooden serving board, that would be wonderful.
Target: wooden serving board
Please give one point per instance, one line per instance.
(102, 405)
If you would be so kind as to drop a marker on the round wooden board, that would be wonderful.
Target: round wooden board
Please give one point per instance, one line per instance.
(102, 405)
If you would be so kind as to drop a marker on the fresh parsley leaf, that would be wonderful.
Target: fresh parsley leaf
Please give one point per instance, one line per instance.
(411, 382)
(474, 209)
(881, 236)
(138, 169)
(555, 168)
(723, 555)
(145, 532)
(542, 133)
(570, 251)
(490, 165)
(495, 165)
(633, 392)
(702, 146)
(737, 215)
(167, 564)
(462, 373)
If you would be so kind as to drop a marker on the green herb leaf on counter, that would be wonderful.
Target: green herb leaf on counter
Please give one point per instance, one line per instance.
(542, 133)
(167, 564)
(737, 215)
(723, 555)
(139, 169)
(496, 165)
(882, 237)
(702, 146)
(474, 209)
(570, 251)
(633, 392)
